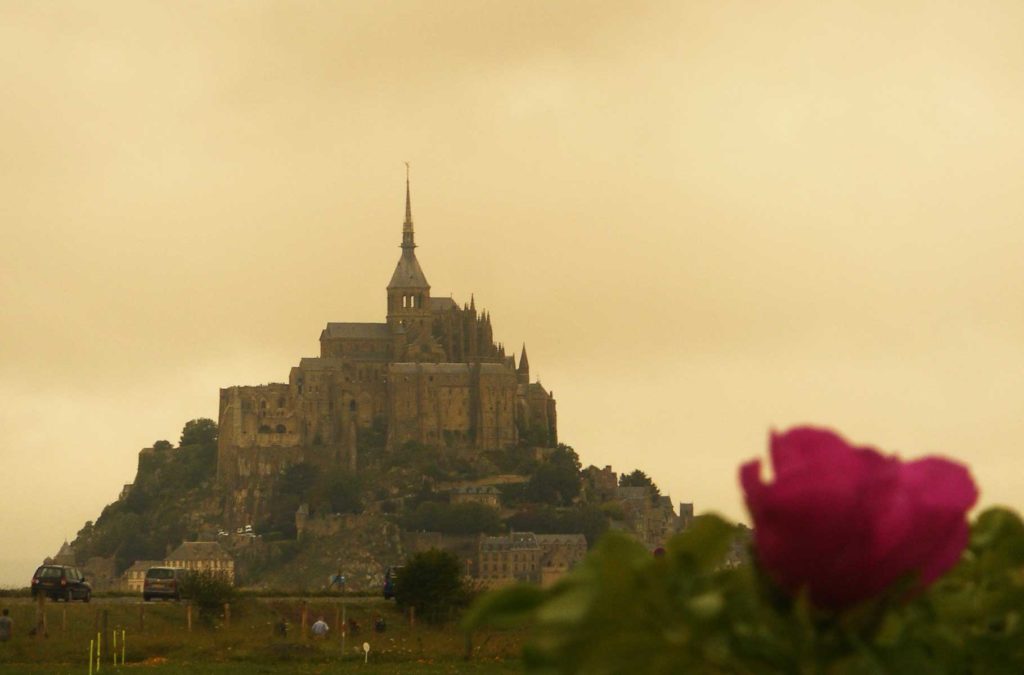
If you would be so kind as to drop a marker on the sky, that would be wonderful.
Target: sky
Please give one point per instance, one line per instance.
(706, 220)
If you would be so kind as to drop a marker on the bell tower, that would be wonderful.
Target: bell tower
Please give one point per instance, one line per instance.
(408, 291)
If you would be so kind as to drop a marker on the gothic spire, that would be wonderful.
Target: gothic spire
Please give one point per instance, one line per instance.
(408, 240)
(524, 363)
(408, 274)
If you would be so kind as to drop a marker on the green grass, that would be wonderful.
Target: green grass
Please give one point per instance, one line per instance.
(349, 666)
(164, 645)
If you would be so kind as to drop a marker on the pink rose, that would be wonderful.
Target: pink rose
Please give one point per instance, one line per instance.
(847, 522)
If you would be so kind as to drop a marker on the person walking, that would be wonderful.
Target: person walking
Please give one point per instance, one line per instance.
(6, 625)
(320, 628)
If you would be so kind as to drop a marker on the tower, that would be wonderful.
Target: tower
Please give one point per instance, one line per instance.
(408, 291)
(523, 371)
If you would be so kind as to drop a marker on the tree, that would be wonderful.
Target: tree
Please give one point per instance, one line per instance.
(557, 481)
(639, 479)
(201, 431)
(432, 582)
(209, 591)
(340, 491)
(469, 518)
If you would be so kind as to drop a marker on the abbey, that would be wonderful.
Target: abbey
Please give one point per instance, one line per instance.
(431, 373)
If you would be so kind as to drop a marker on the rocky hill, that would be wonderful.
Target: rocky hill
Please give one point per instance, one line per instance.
(325, 522)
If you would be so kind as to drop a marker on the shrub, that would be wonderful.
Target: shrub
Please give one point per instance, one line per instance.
(208, 591)
(432, 582)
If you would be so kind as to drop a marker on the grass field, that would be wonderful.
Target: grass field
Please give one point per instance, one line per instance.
(158, 640)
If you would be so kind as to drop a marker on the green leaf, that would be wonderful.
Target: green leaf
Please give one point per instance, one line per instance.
(506, 607)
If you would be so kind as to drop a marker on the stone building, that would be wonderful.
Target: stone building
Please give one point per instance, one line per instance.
(134, 577)
(431, 373)
(508, 559)
(203, 556)
(525, 556)
(488, 495)
(651, 518)
(559, 554)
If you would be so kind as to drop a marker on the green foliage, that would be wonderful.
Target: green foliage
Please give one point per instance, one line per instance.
(341, 491)
(150, 518)
(208, 591)
(557, 481)
(202, 431)
(432, 582)
(624, 610)
(591, 521)
(468, 518)
(638, 479)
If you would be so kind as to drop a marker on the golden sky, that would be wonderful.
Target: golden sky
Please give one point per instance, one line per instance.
(705, 219)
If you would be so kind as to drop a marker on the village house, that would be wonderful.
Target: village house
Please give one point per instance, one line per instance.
(203, 556)
(134, 577)
(559, 554)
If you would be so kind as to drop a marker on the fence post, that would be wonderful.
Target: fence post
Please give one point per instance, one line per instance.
(64, 620)
(188, 616)
(142, 616)
(344, 626)
(305, 618)
(412, 616)
(106, 621)
(227, 615)
(40, 615)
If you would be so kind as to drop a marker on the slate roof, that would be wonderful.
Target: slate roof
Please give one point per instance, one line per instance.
(362, 331)
(408, 273)
(442, 304)
(142, 566)
(199, 550)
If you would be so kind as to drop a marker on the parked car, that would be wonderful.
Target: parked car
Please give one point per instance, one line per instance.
(163, 582)
(61, 582)
(390, 577)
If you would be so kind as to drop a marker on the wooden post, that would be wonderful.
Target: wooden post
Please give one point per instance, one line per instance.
(227, 615)
(188, 616)
(106, 622)
(337, 619)
(305, 618)
(412, 616)
(344, 627)
(142, 616)
(64, 620)
(40, 615)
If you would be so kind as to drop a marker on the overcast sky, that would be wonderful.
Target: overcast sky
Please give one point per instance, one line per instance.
(705, 219)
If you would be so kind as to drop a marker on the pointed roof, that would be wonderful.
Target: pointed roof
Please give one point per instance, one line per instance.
(408, 273)
(524, 363)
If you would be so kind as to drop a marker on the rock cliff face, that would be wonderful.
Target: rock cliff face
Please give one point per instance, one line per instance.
(361, 551)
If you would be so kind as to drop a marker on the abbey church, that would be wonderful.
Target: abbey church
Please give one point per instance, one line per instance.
(431, 373)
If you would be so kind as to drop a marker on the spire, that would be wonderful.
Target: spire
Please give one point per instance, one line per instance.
(524, 363)
(408, 241)
(408, 274)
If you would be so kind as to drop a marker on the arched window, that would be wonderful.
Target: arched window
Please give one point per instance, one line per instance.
(264, 429)
(281, 429)
(352, 406)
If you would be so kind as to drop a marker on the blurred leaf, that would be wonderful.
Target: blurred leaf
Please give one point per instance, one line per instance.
(506, 607)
